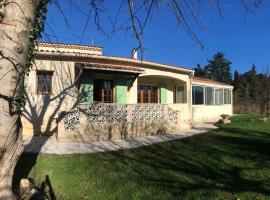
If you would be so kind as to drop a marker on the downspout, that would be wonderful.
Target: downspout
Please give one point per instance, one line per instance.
(191, 75)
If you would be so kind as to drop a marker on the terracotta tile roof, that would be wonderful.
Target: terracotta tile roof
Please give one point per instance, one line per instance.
(68, 46)
(109, 67)
(74, 55)
(153, 62)
(204, 80)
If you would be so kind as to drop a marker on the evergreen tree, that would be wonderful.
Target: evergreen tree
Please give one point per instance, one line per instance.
(236, 88)
(220, 68)
(199, 71)
(253, 81)
(206, 72)
(236, 80)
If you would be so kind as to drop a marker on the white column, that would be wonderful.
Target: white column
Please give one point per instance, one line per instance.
(132, 92)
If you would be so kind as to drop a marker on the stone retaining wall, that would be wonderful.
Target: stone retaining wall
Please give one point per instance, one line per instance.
(113, 131)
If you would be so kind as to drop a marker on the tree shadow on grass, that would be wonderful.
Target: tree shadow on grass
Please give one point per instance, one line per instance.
(229, 161)
(46, 188)
(208, 163)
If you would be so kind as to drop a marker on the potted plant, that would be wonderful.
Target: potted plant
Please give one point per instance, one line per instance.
(225, 119)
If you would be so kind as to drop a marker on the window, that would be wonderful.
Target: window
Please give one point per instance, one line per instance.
(103, 91)
(219, 96)
(147, 94)
(44, 82)
(227, 96)
(197, 95)
(179, 94)
(209, 96)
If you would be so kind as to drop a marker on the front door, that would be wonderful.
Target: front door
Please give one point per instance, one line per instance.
(103, 91)
(147, 94)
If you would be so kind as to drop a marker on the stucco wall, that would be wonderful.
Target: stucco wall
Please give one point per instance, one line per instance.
(41, 111)
(210, 113)
(132, 91)
(171, 79)
(185, 114)
(166, 86)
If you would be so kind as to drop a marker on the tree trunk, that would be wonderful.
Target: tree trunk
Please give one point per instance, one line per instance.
(16, 21)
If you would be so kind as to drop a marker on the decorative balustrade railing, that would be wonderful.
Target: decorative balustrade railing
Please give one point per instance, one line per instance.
(112, 113)
(106, 113)
(71, 119)
(147, 112)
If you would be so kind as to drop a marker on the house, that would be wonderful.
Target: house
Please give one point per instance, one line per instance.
(68, 76)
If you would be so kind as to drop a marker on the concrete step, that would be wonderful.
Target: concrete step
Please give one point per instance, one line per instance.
(204, 126)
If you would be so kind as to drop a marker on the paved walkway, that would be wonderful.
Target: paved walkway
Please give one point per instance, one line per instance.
(50, 145)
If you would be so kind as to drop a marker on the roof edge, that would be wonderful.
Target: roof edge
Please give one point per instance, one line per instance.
(204, 80)
(46, 53)
(67, 45)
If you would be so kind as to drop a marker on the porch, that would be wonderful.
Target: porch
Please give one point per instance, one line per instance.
(130, 85)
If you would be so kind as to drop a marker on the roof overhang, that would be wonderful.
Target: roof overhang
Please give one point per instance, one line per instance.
(109, 67)
(86, 57)
(209, 82)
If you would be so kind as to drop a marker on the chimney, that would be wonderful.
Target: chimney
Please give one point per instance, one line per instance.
(134, 54)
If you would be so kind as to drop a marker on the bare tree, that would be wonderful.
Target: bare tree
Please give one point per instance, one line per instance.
(17, 21)
(19, 24)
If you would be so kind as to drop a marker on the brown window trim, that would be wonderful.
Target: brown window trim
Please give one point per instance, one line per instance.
(147, 94)
(100, 91)
(50, 73)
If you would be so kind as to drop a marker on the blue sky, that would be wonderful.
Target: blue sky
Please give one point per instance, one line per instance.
(245, 39)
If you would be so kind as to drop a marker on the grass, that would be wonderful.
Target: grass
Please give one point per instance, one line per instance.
(229, 163)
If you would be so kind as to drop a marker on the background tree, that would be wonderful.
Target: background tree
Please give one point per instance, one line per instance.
(220, 68)
(263, 91)
(236, 79)
(236, 84)
(199, 71)
(266, 90)
(206, 72)
(251, 91)
(253, 81)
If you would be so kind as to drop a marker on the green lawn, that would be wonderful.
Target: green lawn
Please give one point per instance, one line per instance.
(229, 163)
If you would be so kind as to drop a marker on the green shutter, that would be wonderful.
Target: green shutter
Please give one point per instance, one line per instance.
(163, 93)
(86, 91)
(121, 92)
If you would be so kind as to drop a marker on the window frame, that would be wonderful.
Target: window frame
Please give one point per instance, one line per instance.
(46, 73)
(203, 95)
(230, 96)
(222, 96)
(103, 91)
(177, 100)
(147, 95)
(215, 90)
(213, 96)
